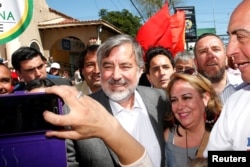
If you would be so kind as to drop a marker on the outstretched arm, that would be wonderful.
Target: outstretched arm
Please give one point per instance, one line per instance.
(88, 118)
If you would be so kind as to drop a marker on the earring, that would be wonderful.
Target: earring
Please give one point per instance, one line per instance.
(210, 117)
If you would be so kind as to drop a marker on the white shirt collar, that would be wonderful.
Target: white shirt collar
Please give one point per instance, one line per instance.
(234, 80)
(116, 107)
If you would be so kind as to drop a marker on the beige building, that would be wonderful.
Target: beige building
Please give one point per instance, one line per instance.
(58, 35)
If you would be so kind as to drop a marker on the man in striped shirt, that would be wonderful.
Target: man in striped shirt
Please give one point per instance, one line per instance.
(211, 61)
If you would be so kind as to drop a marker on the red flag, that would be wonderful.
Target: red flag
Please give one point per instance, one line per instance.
(178, 32)
(163, 30)
(156, 31)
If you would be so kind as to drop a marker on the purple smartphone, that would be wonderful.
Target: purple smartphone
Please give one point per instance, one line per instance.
(22, 128)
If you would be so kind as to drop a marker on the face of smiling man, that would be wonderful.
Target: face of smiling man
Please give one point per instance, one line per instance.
(5, 80)
(120, 73)
(239, 41)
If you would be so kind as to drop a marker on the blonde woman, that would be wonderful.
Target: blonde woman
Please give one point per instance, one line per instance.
(195, 109)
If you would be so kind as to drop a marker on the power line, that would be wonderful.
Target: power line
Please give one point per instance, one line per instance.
(121, 4)
(115, 5)
(137, 10)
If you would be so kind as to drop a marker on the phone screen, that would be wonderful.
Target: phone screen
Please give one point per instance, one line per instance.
(24, 113)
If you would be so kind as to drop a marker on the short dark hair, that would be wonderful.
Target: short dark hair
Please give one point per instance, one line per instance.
(154, 51)
(89, 49)
(24, 53)
(203, 36)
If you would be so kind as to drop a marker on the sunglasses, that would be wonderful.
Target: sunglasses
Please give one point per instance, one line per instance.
(189, 71)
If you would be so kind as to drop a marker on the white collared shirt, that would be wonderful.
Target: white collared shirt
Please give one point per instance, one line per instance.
(137, 123)
(231, 131)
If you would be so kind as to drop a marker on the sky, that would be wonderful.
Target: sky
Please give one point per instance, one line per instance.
(209, 13)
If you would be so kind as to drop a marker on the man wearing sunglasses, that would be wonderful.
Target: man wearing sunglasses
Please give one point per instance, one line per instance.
(184, 61)
(211, 62)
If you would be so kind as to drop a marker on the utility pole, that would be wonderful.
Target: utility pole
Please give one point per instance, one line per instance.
(213, 15)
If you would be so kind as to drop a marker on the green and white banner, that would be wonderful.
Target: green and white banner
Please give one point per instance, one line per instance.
(15, 16)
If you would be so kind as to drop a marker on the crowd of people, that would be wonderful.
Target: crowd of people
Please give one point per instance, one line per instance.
(193, 103)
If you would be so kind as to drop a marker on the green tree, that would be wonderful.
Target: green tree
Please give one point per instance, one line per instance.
(123, 20)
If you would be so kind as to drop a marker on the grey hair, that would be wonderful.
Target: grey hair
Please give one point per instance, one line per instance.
(184, 56)
(118, 40)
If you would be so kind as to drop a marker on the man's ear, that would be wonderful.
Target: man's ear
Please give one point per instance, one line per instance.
(195, 62)
(19, 74)
(141, 71)
(149, 79)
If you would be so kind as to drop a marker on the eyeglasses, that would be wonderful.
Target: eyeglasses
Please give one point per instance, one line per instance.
(189, 71)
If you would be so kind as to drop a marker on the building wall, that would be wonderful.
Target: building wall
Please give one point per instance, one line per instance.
(48, 39)
(40, 13)
(84, 33)
(52, 43)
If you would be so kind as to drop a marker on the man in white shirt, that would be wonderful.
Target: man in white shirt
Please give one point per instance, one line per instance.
(140, 110)
(231, 131)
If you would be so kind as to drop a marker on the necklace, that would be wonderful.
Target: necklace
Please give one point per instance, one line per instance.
(188, 157)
